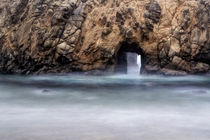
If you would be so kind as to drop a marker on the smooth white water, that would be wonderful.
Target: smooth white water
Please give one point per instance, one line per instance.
(139, 61)
(133, 66)
(120, 107)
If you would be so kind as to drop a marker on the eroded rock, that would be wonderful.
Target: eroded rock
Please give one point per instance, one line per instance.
(43, 36)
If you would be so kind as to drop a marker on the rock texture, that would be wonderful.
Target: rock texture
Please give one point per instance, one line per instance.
(47, 36)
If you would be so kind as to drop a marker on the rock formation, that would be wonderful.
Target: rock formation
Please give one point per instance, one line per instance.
(47, 36)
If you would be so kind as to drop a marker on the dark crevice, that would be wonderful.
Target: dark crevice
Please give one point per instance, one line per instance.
(19, 10)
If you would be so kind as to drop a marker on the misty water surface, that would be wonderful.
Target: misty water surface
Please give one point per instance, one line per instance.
(119, 107)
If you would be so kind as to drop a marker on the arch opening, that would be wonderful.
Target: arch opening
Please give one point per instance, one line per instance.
(129, 59)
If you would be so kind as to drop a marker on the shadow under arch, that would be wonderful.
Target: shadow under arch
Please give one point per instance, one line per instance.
(122, 59)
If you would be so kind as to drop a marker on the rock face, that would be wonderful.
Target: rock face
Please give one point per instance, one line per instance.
(47, 36)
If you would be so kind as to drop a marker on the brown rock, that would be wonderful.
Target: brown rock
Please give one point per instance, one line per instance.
(86, 35)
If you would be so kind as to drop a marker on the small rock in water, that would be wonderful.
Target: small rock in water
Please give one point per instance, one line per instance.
(45, 91)
(199, 92)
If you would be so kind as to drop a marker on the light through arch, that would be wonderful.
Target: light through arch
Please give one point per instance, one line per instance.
(128, 59)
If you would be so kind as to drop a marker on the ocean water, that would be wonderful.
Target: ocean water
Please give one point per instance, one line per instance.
(117, 107)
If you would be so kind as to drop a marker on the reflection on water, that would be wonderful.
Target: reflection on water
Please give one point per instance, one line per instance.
(120, 107)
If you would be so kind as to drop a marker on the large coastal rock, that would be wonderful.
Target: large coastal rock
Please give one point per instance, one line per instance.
(47, 36)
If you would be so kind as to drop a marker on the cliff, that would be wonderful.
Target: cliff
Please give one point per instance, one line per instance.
(47, 36)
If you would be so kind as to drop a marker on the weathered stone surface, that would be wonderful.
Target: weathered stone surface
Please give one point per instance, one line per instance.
(44, 36)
